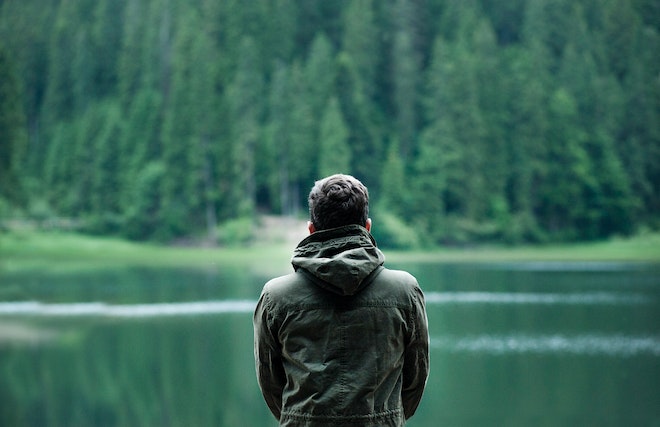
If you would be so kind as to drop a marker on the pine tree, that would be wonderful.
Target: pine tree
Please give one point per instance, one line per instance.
(131, 62)
(105, 185)
(13, 138)
(141, 169)
(320, 74)
(357, 83)
(406, 64)
(569, 184)
(334, 152)
(360, 43)
(276, 159)
(435, 162)
(364, 122)
(279, 37)
(458, 104)
(526, 121)
(189, 195)
(145, 201)
(246, 106)
(58, 101)
(638, 144)
(526, 130)
(302, 135)
(57, 168)
(393, 182)
(491, 103)
(177, 135)
(106, 36)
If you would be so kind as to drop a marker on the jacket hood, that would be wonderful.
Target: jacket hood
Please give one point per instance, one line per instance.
(339, 259)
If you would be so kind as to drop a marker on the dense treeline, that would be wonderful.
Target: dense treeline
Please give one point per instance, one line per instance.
(468, 119)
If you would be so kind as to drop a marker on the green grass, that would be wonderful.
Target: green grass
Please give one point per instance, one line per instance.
(643, 248)
(67, 251)
(22, 250)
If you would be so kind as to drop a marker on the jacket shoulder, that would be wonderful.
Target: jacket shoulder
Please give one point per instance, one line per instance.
(397, 284)
(397, 278)
(282, 284)
(288, 289)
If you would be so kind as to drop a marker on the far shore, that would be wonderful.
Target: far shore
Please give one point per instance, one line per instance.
(31, 249)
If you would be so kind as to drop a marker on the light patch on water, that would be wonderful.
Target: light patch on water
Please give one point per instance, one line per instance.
(586, 298)
(33, 308)
(19, 333)
(612, 345)
(549, 266)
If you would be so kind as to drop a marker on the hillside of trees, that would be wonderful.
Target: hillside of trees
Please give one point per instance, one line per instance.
(469, 120)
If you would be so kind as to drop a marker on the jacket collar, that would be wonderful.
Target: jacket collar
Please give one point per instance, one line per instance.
(339, 259)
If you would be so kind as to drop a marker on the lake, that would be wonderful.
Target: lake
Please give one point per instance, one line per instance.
(512, 344)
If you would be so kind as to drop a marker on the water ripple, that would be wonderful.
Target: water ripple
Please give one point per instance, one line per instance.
(593, 344)
(34, 308)
(590, 298)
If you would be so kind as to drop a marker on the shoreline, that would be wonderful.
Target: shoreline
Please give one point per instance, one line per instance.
(22, 250)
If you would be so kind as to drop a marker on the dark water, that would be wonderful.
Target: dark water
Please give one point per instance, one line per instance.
(542, 344)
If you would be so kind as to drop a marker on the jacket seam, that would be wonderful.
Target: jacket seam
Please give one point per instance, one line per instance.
(391, 413)
(315, 306)
(343, 362)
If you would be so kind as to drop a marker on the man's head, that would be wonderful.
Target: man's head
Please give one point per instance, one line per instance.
(336, 201)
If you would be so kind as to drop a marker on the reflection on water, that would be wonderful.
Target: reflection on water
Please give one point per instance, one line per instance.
(31, 308)
(512, 344)
(598, 266)
(536, 298)
(34, 308)
(612, 345)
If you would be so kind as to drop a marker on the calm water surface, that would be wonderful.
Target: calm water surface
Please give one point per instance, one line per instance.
(519, 344)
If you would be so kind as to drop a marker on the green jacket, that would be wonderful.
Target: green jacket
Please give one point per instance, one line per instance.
(342, 340)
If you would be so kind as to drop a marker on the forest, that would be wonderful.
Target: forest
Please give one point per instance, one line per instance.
(470, 121)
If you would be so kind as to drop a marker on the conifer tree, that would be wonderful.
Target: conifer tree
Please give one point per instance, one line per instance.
(393, 182)
(526, 130)
(334, 152)
(277, 160)
(360, 43)
(357, 83)
(320, 74)
(57, 167)
(406, 76)
(142, 170)
(105, 185)
(246, 106)
(132, 62)
(366, 129)
(302, 135)
(177, 134)
(527, 121)
(58, 101)
(569, 184)
(435, 161)
(13, 138)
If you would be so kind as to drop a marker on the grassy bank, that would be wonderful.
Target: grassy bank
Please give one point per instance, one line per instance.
(33, 249)
(55, 250)
(644, 248)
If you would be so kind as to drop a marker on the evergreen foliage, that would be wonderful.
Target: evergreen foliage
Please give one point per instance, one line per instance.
(518, 121)
(12, 131)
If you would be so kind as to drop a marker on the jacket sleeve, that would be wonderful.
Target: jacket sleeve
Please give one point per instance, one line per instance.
(268, 358)
(416, 358)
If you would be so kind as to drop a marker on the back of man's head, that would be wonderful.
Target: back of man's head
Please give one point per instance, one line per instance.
(338, 200)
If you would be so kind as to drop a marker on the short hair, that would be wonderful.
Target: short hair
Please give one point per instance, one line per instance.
(338, 200)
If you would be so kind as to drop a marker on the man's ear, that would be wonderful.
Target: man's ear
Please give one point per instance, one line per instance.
(311, 227)
(368, 224)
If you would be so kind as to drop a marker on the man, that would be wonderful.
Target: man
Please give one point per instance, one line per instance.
(342, 340)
